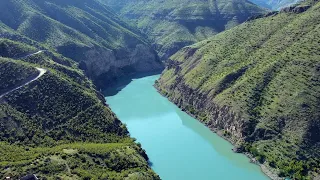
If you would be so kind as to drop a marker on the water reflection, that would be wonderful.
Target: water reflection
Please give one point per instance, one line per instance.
(122, 82)
(179, 146)
(221, 146)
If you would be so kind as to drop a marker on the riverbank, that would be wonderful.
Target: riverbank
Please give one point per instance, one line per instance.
(270, 172)
(179, 146)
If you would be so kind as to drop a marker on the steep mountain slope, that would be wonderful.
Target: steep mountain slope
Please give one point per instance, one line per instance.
(275, 4)
(173, 24)
(85, 31)
(58, 127)
(259, 85)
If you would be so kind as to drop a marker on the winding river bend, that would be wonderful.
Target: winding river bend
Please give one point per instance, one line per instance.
(179, 147)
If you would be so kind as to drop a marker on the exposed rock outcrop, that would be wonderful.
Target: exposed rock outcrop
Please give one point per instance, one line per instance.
(215, 117)
(99, 61)
(297, 9)
(105, 66)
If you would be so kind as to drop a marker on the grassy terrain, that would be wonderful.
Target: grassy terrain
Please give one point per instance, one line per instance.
(14, 49)
(173, 24)
(85, 31)
(258, 83)
(76, 24)
(58, 126)
(76, 161)
(18, 71)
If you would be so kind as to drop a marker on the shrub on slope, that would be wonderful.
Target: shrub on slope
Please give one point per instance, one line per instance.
(259, 83)
(174, 24)
(59, 127)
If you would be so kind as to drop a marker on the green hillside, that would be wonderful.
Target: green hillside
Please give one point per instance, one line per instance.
(173, 24)
(85, 31)
(258, 84)
(58, 126)
(21, 73)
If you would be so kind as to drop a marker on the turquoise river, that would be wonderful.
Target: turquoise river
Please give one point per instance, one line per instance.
(179, 147)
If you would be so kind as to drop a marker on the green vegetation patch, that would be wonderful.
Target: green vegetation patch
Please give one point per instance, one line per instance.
(173, 24)
(14, 73)
(87, 161)
(58, 126)
(260, 82)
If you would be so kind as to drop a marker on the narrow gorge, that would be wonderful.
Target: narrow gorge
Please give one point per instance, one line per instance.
(257, 85)
(86, 85)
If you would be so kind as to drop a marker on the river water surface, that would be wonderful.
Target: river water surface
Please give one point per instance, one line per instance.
(179, 147)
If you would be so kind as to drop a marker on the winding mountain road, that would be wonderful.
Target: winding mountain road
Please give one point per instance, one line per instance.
(32, 54)
(41, 73)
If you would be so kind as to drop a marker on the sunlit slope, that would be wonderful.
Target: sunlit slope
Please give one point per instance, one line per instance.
(259, 84)
(174, 24)
(58, 126)
(85, 31)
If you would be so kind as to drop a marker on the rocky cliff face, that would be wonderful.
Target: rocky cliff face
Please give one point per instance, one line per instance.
(106, 64)
(199, 104)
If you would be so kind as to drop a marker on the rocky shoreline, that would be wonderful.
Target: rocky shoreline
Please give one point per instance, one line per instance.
(267, 170)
